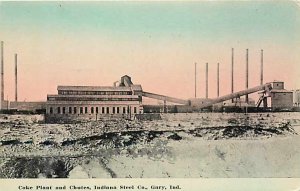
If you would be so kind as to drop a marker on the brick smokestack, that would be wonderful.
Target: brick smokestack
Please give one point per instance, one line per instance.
(218, 80)
(232, 80)
(206, 92)
(247, 74)
(195, 80)
(2, 75)
(262, 68)
(16, 77)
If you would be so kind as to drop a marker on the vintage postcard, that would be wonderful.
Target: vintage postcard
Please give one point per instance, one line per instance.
(150, 95)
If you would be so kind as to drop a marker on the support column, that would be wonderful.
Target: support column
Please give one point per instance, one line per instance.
(165, 106)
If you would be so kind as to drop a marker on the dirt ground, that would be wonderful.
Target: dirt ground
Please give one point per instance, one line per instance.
(213, 145)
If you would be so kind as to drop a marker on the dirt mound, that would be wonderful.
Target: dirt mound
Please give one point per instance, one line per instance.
(175, 136)
(242, 132)
(116, 139)
(36, 168)
(10, 142)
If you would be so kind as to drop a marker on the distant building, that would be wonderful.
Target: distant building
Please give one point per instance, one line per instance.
(196, 102)
(281, 99)
(296, 98)
(4, 105)
(28, 106)
(94, 102)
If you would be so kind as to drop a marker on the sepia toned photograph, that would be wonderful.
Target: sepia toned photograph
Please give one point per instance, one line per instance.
(149, 89)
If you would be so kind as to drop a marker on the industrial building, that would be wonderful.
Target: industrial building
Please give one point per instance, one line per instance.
(296, 98)
(29, 107)
(95, 102)
(124, 99)
(281, 99)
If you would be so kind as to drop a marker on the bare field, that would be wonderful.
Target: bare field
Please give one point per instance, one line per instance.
(213, 145)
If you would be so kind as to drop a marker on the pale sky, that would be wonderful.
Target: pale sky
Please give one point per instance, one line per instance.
(156, 43)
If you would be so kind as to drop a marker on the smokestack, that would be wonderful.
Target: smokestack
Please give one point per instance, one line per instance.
(232, 59)
(247, 73)
(16, 77)
(218, 80)
(262, 68)
(195, 80)
(2, 76)
(206, 80)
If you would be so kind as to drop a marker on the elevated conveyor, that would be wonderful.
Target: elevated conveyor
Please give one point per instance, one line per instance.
(165, 98)
(266, 88)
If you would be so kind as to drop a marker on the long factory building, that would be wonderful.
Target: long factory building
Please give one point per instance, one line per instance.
(124, 99)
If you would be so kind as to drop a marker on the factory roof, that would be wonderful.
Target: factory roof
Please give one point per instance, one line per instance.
(93, 96)
(94, 88)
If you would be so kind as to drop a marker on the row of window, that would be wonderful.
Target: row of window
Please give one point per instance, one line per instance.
(68, 92)
(90, 99)
(91, 110)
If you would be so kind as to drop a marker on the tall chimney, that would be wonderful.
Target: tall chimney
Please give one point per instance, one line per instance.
(16, 77)
(2, 76)
(232, 60)
(218, 80)
(195, 80)
(247, 74)
(262, 68)
(206, 80)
